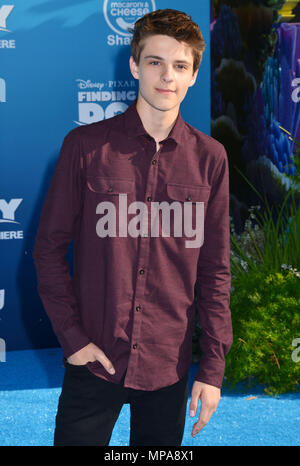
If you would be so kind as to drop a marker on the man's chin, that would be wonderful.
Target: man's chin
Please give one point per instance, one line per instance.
(158, 103)
(162, 106)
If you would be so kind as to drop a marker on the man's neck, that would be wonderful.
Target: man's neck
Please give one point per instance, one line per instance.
(157, 123)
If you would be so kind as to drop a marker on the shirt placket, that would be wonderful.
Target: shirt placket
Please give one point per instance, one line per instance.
(142, 269)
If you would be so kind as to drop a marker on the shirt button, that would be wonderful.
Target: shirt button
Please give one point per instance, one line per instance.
(154, 162)
(110, 189)
(138, 308)
(142, 271)
(134, 346)
(189, 198)
(149, 198)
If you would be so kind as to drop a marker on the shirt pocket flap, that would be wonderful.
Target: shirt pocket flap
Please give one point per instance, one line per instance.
(183, 193)
(103, 184)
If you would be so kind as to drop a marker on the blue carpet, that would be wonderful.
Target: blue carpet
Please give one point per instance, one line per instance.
(30, 384)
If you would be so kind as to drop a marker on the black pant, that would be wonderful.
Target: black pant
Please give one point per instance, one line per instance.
(89, 407)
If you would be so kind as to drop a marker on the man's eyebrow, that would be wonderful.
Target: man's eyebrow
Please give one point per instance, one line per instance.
(160, 58)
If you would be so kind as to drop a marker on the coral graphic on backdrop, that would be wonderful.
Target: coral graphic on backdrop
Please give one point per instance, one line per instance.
(255, 92)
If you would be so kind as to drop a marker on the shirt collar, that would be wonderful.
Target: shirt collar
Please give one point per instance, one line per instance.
(134, 126)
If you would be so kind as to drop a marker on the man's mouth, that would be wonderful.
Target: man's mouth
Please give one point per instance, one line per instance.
(165, 91)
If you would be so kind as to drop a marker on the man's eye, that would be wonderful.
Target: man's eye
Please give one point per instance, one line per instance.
(181, 67)
(154, 62)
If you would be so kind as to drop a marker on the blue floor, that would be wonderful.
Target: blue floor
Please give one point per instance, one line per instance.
(30, 384)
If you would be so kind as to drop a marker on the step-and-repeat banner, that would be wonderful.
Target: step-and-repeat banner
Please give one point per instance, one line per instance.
(63, 63)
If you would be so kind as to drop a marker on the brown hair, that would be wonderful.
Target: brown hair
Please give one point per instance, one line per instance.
(174, 23)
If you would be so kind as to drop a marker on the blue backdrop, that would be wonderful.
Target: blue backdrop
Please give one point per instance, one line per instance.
(63, 63)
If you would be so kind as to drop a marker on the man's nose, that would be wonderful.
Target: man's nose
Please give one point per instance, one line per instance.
(167, 73)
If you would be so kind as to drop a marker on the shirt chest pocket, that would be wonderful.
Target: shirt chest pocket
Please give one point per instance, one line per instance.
(188, 204)
(109, 187)
(186, 193)
(107, 199)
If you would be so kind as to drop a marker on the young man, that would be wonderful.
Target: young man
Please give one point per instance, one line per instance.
(125, 319)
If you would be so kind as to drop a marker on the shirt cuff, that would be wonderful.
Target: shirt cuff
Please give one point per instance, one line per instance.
(72, 340)
(211, 372)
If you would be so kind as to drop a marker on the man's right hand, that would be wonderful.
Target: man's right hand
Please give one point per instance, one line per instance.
(91, 353)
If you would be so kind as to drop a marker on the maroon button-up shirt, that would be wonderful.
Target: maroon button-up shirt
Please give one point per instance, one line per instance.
(132, 291)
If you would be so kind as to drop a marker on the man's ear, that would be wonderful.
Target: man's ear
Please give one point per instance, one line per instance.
(133, 68)
(194, 77)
